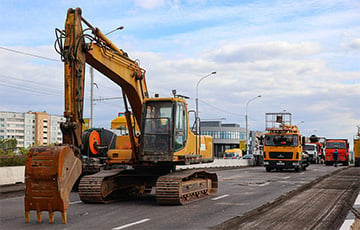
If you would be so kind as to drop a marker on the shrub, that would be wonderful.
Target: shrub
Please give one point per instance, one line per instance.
(10, 155)
(12, 160)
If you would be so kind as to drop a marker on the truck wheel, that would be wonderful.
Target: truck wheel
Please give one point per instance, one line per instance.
(268, 169)
(297, 169)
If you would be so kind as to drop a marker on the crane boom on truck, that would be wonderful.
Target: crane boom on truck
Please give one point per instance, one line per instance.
(165, 138)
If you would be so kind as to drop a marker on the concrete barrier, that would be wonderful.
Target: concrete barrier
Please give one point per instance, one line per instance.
(219, 163)
(15, 174)
(12, 175)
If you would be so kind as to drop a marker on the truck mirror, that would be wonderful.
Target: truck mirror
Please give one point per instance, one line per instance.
(303, 140)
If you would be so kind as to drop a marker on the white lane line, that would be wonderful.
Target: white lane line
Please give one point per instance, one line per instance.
(230, 178)
(131, 224)
(76, 202)
(357, 201)
(347, 224)
(287, 177)
(266, 183)
(220, 197)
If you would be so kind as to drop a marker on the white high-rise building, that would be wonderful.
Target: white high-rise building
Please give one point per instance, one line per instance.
(31, 128)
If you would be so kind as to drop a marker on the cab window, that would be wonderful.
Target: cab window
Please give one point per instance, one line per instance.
(180, 136)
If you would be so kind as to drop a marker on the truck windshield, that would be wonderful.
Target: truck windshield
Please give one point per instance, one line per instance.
(310, 147)
(281, 140)
(334, 145)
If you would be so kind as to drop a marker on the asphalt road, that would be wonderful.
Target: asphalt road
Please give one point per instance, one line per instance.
(240, 190)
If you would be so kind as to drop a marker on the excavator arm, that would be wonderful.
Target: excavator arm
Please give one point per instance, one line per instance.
(51, 172)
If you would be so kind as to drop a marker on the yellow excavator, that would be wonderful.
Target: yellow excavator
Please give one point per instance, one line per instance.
(140, 160)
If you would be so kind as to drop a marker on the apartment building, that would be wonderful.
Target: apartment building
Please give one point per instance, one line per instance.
(31, 127)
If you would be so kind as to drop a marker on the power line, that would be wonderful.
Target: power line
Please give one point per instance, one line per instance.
(29, 54)
(106, 98)
(38, 91)
(27, 85)
(237, 114)
(27, 81)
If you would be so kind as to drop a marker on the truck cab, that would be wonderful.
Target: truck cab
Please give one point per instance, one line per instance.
(342, 146)
(311, 150)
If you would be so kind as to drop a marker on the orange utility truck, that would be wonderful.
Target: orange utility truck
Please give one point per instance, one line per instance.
(283, 144)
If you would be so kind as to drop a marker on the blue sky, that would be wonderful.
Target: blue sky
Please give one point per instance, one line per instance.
(301, 56)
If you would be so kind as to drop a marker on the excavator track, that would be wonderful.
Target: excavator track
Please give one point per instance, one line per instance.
(185, 187)
(110, 185)
(96, 188)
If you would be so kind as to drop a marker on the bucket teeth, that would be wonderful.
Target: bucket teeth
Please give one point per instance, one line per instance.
(51, 217)
(27, 217)
(39, 216)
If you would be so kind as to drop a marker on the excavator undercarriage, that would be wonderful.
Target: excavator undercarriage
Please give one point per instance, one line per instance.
(173, 188)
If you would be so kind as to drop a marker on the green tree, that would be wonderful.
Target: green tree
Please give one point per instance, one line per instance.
(8, 146)
(10, 155)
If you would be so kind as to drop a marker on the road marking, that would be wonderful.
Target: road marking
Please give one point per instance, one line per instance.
(131, 224)
(228, 203)
(347, 224)
(266, 183)
(287, 177)
(76, 202)
(220, 197)
(231, 178)
(357, 201)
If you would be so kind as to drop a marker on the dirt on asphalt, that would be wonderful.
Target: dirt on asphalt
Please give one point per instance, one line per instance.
(317, 205)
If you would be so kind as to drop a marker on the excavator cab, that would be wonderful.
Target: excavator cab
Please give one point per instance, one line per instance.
(164, 129)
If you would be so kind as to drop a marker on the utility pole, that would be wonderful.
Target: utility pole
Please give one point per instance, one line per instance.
(91, 97)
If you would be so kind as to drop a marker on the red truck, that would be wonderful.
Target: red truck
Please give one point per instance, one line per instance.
(342, 145)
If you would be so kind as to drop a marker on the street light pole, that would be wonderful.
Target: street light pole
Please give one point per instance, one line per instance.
(119, 28)
(197, 98)
(246, 122)
(197, 110)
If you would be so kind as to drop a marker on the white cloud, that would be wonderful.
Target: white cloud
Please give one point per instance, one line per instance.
(355, 44)
(263, 51)
(149, 4)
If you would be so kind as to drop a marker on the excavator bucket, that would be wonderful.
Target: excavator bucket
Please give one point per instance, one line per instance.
(50, 174)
